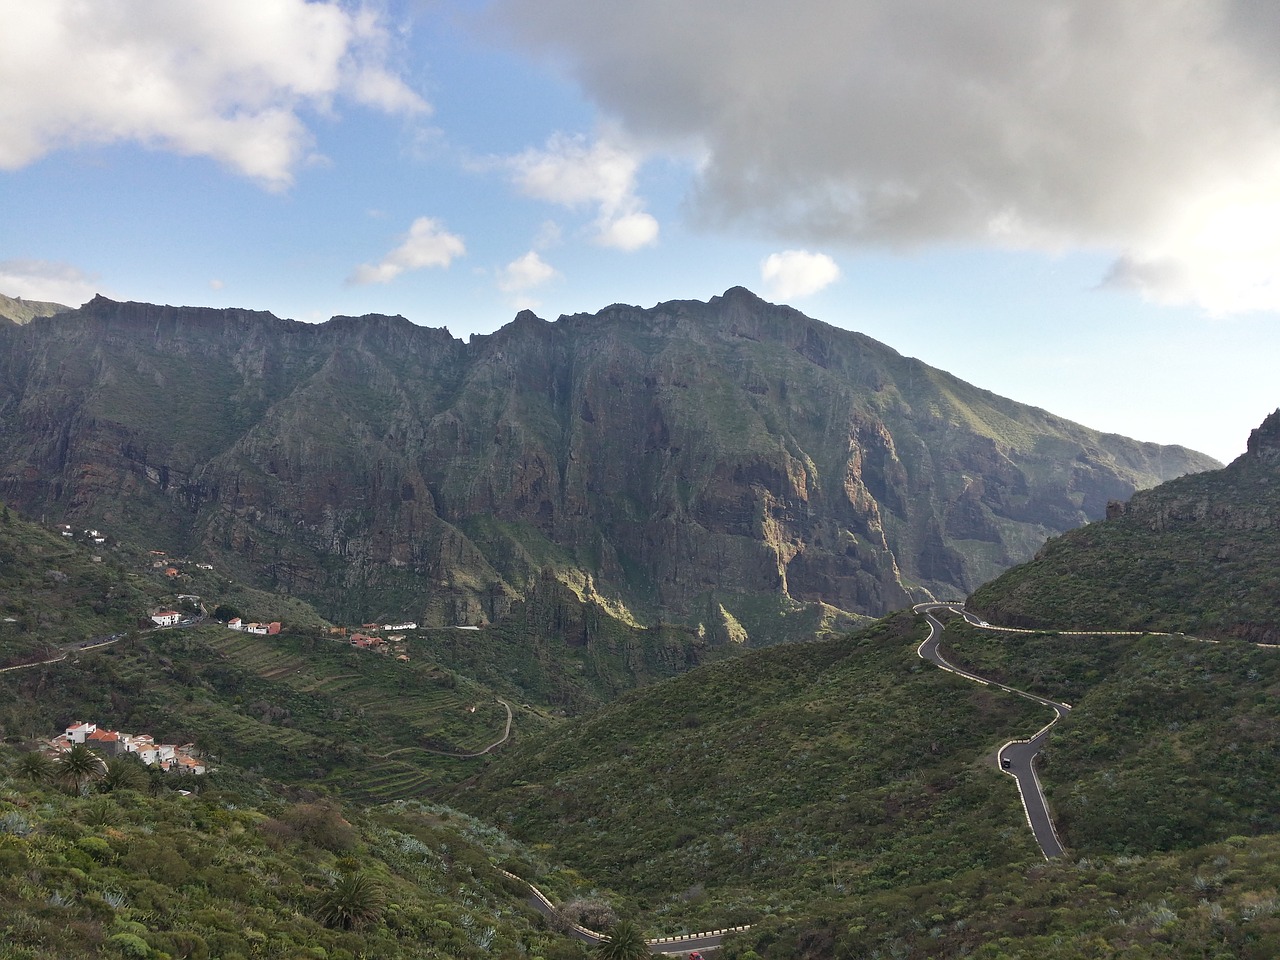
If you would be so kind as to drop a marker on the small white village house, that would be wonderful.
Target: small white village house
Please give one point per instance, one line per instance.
(166, 618)
(169, 757)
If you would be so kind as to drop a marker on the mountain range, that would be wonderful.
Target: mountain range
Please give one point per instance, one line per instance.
(840, 796)
(733, 466)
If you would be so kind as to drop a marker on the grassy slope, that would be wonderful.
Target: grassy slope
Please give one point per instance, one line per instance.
(24, 311)
(1195, 555)
(52, 592)
(751, 786)
(228, 874)
(292, 708)
(293, 705)
(1172, 742)
(1217, 901)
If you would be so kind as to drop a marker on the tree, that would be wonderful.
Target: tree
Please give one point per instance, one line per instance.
(354, 900)
(123, 773)
(624, 942)
(224, 612)
(36, 766)
(79, 766)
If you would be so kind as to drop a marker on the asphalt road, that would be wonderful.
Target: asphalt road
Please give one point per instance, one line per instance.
(675, 946)
(1016, 758)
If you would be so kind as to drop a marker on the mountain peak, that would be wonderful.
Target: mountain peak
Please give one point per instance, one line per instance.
(1264, 441)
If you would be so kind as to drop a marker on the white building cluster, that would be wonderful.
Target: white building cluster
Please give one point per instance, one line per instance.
(112, 743)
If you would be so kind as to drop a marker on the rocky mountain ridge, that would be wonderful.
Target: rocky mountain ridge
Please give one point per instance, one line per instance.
(732, 465)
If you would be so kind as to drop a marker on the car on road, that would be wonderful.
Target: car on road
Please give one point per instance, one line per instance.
(1005, 763)
(695, 956)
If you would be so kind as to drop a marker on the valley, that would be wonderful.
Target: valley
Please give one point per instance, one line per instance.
(750, 758)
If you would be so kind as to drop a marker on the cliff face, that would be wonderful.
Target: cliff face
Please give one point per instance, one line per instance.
(672, 463)
(1197, 554)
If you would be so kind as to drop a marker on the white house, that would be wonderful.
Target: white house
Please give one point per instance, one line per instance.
(78, 732)
(235, 623)
(148, 753)
(166, 618)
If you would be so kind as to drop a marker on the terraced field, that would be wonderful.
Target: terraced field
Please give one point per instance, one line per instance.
(389, 729)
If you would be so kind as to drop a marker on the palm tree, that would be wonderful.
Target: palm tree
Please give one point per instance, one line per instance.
(123, 773)
(79, 766)
(353, 901)
(36, 766)
(624, 942)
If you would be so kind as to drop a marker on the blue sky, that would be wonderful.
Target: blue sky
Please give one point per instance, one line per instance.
(1073, 204)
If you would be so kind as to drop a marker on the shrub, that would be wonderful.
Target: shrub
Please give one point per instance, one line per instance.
(129, 945)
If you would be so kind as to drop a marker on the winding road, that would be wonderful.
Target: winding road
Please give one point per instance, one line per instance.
(506, 735)
(684, 944)
(1017, 757)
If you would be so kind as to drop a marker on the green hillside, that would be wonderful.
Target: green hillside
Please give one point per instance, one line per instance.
(295, 709)
(52, 591)
(1197, 555)
(1172, 743)
(238, 874)
(20, 311)
(753, 786)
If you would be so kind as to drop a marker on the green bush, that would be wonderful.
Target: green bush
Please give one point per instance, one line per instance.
(129, 945)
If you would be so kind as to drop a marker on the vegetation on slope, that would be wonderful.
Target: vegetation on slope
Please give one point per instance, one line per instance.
(20, 311)
(1216, 902)
(1172, 743)
(1194, 555)
(293, 708)
(236, 874)
(750, 787)
(52, 591)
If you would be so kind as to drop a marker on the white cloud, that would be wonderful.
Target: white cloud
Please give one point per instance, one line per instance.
(524, 274)
(47, 280)
(227, 80)
(629, 232)
(797, 273)
(1151, 130)
(572, 172)
(427, 244)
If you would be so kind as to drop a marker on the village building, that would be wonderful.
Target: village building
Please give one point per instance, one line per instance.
(166, 618)
(112, 743)
(79, 732)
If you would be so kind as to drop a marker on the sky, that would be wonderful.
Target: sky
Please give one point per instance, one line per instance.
(1073, 203)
